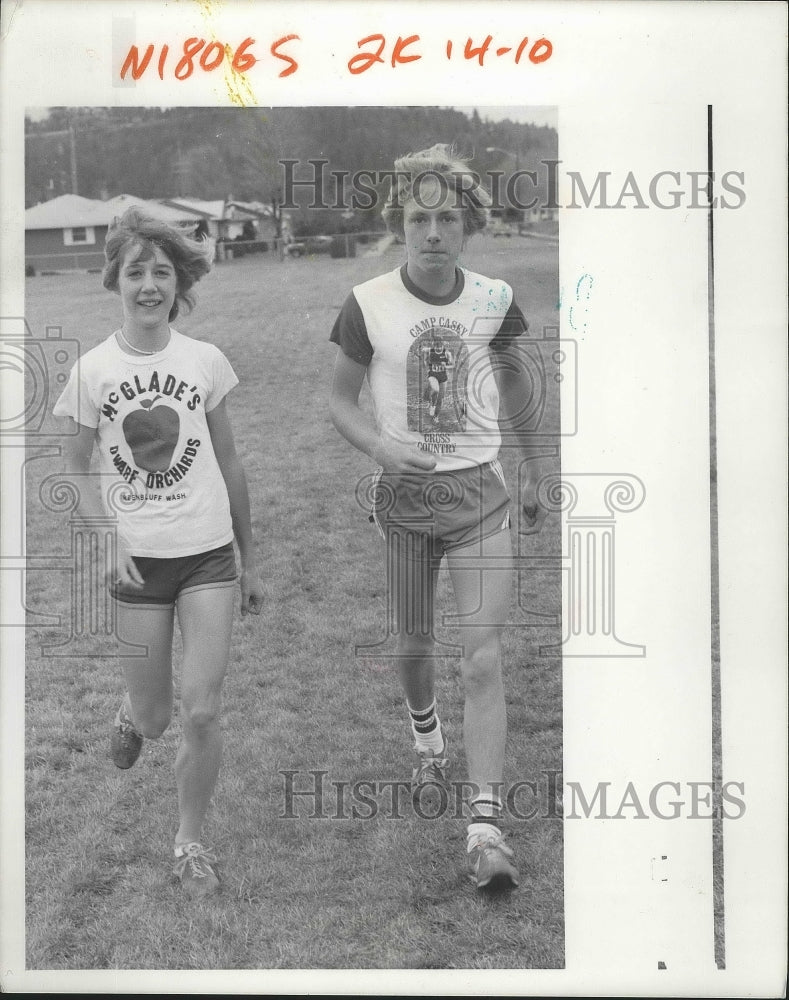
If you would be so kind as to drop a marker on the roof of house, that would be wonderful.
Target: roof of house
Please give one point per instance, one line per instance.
(221, 208)
(168, 213)
(67, 210)
(210, 209)
(70, 210)
(257, 208)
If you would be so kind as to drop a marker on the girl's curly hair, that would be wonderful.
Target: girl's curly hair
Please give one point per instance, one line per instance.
(443, 162)
(135, 230)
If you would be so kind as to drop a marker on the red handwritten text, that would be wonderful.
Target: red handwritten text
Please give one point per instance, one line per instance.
(196, 53)
(537, 52)
(180, 62)
(364, 60)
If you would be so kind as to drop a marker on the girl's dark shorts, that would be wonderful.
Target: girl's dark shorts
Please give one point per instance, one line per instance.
(166, 579)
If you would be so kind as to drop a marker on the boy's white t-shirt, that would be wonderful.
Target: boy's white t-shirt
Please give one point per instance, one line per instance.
(401, 333)
(160, 475)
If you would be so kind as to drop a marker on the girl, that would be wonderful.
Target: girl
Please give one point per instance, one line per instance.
(152, 402)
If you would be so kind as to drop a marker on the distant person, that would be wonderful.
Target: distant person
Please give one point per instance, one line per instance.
(152, 402)
(442, 494)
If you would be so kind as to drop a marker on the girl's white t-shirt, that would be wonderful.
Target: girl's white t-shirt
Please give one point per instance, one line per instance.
(159, 472)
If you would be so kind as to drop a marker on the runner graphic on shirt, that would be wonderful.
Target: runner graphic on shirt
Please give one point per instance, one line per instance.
(436, 373)
(438, 360)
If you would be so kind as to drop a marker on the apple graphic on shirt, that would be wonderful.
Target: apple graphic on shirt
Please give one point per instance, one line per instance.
(152, 434)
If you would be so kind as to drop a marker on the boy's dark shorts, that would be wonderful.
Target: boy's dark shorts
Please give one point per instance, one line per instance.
(453, 508)
(166, 579)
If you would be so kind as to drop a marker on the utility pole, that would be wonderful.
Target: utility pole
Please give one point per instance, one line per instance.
(72, 138)
(71, 132)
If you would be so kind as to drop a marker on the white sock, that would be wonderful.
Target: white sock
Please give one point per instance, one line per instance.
(432, 741)
(484, 831)
(180, 849)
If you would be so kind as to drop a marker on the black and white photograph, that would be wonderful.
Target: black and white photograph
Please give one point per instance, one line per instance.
(361, 701)
(393, 461)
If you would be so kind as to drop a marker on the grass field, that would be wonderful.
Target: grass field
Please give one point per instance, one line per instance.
(298, 892)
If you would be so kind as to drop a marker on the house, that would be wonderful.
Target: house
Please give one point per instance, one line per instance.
(543, 214)
(263, 215)
(227, 219)
(68, 232)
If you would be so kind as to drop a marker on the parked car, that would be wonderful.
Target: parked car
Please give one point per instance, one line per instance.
(500, 228)
(308, 244)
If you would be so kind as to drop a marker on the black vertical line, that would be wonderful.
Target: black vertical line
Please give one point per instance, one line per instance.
(717, 750)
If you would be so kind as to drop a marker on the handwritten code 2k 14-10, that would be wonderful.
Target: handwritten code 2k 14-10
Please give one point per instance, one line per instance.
(181, 61)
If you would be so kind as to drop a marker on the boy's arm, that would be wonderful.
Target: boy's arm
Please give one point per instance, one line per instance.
(357, 427)
(238, 494)
(515, 389)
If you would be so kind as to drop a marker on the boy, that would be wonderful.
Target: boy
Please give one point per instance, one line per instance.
(441, 489)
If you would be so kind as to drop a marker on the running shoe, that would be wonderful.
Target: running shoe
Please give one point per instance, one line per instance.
(431, 768)
(126, 742)
(491, 862)
(193, 867)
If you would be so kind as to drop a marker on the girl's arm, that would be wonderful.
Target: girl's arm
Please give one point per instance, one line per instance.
(356, 427)
(238, 494)
(78, 452)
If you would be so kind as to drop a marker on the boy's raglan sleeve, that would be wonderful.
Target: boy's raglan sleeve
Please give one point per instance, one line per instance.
(350, 332)
(513, 325)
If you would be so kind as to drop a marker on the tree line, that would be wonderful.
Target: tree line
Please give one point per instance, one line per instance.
(216, 153)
